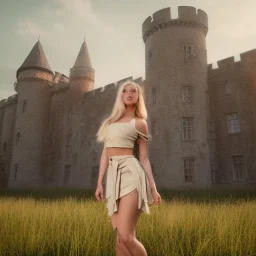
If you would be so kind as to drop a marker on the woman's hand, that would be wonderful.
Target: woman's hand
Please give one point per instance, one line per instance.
(99, 193)
(157, 197)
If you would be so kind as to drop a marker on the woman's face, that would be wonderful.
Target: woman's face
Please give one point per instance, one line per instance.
(130, 94)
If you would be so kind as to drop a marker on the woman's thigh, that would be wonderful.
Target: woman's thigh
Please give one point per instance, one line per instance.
(128, 214)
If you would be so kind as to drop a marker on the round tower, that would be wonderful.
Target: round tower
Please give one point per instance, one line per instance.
(33, 80)
(175, 91)
(82, 74)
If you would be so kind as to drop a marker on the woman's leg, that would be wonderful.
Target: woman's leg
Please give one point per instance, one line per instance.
(120, 248)
(127, 217)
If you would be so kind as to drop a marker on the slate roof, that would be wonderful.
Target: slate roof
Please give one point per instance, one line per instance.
(35, 59)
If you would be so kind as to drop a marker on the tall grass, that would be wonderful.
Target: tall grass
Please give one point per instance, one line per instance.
(74, 223)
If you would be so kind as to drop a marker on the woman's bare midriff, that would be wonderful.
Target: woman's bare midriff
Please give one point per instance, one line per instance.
(119, 151)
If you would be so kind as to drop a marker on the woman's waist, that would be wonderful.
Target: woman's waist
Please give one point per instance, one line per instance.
(120, 157)
(112, 152)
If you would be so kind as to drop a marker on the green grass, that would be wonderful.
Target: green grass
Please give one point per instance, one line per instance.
(71, 222)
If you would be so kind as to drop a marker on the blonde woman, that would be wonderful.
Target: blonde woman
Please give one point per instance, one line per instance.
(124, 181)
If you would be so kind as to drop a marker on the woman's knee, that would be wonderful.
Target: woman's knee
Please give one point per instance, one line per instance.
(119, 241)
(125, 239)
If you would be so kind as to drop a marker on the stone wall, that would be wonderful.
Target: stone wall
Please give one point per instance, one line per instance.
(72, 156)
(232, 89)
(7, 122)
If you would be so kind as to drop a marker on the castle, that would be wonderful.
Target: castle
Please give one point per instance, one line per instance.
(202, 119)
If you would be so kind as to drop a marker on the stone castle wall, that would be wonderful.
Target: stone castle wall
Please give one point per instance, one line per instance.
(8, 109)
(72, 155)
(232, 89)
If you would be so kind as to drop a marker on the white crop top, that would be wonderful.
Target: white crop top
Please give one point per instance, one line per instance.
(123, 134)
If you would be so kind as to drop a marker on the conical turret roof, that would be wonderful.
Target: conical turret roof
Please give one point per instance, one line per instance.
(83, 58)
(35, 59)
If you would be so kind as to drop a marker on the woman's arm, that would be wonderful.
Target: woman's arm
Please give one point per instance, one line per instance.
(103, 165)
(143, 158)
(142, 126)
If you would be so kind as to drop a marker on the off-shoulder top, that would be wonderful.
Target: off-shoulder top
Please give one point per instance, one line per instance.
(123, 134)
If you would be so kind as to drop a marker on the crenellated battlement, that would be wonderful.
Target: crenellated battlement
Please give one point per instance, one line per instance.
(3, 103)
(138, 80)
(226, 62)
(230, 63)
(108, 87)
(10, 100)
(249, 56)
(98, 92)
(187, 17)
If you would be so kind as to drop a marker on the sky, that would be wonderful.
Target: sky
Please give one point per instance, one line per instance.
(112, 30)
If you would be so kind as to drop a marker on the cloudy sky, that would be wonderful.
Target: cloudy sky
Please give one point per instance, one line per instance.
(112, 29)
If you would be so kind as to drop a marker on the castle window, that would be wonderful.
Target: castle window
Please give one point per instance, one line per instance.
(153, 128)
(189, 50)
(207, 96)
(187, 97)
(16, 167)
(24, 106)
(2, 169)
(4, 146)
(94, 155)
(153, 95)
(213, 170)
(228, 88)
(187, 128)
(69, 113)
(233, 122)
(67, 173)
(17, 138)
(69, 138)
(238, 168)
(189, 169)
(213, 166)
(95, 171)
(210, 127)
(210, 124)
(74, 159)
(149, 56)
(50, 177)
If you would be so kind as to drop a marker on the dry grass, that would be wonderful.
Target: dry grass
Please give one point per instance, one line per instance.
(219, 224)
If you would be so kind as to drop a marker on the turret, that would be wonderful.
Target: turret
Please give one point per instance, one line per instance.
(82, 73)
(188, 18)
(34, 78)
(175, 91)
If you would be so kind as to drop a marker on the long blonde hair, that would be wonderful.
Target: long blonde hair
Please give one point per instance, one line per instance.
(119, 109)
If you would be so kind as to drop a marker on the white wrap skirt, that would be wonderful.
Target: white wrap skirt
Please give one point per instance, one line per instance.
(124, 174)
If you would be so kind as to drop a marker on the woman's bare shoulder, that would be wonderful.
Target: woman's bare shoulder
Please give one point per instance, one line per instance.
(140, 120)
(141, 124)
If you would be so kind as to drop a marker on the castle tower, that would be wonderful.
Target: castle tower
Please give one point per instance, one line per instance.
(33, 80)
(82, 73)
(176, 95)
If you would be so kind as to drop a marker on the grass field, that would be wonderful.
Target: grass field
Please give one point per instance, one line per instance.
(72, 222)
